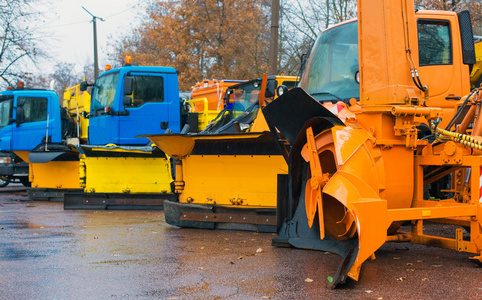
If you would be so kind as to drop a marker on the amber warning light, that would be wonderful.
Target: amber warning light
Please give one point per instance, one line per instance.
(128, 60)
(108, 67)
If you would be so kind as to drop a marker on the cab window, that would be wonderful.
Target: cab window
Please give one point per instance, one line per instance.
(35, 108)
(289, 84)
(434, 42)
(5, 111)
(244, 96)
(147, 89)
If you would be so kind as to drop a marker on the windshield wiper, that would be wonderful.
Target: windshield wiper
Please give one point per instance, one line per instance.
(329, 94)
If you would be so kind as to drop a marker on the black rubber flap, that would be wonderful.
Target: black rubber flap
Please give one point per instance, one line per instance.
(43, 157)
(292, 110)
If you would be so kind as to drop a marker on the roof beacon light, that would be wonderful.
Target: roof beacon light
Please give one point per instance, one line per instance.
(108, 67)
(128, 61)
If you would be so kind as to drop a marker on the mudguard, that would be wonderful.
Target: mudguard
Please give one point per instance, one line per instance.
(292, 110)
(43, 157)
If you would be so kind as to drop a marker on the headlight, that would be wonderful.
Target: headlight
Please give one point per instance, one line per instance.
(5, 160)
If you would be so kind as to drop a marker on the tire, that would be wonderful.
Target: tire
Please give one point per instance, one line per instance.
(4, 181)
(25, 181)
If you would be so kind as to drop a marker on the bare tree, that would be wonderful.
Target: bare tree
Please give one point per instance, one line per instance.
(66, 75)
(35, 81)
(19, 42)
(302, 22)
(474, 6)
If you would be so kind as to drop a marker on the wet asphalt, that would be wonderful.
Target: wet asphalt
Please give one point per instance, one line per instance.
(49, 253)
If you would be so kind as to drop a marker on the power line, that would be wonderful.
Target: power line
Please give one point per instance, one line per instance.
(80, 22)
(118, 13)
(67, 24)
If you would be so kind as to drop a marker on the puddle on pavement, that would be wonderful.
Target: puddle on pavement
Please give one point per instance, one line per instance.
(8, 253)
(15, 225)
(142, 261)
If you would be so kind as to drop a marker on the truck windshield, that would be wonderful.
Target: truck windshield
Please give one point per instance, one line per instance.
(245, 95)
(104, 90)
(5, 110)
(330, 74)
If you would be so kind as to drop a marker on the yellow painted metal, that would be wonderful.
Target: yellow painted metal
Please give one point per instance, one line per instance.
(259, 124)
(226, 180)
(55, 175)
(177, 145)
(476, 74)
(174, 145)
(127, 175)
(205, 116)
(23, 155)
(234, 181)
(77, 101)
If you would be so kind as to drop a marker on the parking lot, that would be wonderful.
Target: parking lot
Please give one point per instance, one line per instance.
(49, 253)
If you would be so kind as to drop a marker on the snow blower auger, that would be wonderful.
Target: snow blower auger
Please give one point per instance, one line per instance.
(358, 161)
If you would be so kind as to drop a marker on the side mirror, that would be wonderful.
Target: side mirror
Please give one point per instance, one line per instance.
(357, 77)
(20, 116)
(270, 88)
(128, 81)
(83, 86)
(127, 101)
(467, 37)
(257, 83)
(281, 90)
(226, 97)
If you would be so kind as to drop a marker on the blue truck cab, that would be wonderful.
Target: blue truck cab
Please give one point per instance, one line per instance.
(131, 101)
(29, 120)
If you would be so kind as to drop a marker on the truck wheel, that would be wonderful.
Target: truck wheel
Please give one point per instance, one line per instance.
(25, 182)
(4, 181)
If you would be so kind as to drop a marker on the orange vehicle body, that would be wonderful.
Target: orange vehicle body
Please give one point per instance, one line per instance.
(207, 100)
(213, 90)
(357, 177)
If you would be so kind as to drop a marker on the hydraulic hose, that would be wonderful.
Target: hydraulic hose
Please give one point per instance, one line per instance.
(463, 139)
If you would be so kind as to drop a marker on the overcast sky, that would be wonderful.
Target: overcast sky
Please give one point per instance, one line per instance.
(70, 30)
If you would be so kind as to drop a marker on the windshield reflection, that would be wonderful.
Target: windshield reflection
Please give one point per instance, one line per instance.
(332, 66)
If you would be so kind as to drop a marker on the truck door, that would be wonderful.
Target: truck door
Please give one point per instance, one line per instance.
(440, 60)
(153, 107)
(6, 109)
(103, 124)
(31, 122)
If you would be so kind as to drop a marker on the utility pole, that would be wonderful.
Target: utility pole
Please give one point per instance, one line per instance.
(96, 64)
(273, 40)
